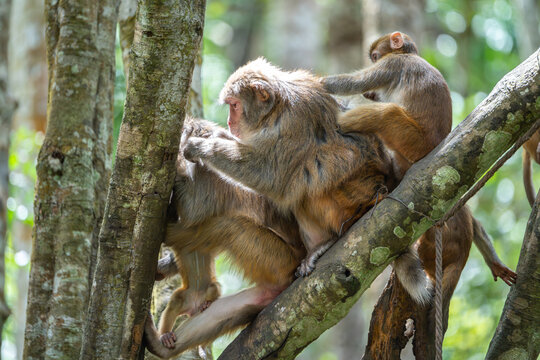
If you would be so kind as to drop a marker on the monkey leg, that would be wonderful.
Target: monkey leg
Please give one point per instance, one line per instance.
(222, 316)
(397, 129)
(199, 289)
(483, 243)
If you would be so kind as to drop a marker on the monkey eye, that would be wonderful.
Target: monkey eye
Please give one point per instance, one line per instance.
(375, 56)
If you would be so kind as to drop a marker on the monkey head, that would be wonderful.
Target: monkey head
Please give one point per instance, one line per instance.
(396, 42)
(251, 96)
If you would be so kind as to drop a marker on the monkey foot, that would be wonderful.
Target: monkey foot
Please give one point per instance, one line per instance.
(205, 305)
(306, 268)
(501, 271)
(168, 339)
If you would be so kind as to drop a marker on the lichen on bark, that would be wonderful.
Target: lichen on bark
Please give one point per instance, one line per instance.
(166, 41)
(73, 170)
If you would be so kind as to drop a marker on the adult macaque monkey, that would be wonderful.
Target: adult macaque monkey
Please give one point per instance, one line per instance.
(218, 216)
(413, 116)
(531, 149)
(287, 147)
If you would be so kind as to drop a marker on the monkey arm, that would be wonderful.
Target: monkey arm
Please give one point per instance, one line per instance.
(379, 75)
(239, 161)
(483, 243)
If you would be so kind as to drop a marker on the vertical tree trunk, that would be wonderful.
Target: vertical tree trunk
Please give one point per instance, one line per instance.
(73, 170)
(126, 25)
(28, 85)
(517, 335)
(6, 112)
(166, 42)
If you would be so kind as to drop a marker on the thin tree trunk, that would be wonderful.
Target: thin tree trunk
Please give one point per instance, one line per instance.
(431, 187)
(6, 112)
(73, 170)
(126, 27)
(517, 335)
(166, 42)
(164, 289)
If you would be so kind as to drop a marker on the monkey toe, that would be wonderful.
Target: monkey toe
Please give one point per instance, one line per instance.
(205, 305)
(305, 269)
(168, 339)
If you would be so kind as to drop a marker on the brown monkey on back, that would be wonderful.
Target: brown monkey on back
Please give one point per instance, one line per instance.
(531, 149)
(413, 117)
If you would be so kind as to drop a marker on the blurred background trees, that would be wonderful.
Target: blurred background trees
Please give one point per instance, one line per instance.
(473, 43)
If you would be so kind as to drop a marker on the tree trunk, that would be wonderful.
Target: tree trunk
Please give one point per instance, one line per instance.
(6, 112)
(429, 189)
(126, 27)
(166, 42)
(164, 289)
(73, 170)
(517, 335)
(27, 64)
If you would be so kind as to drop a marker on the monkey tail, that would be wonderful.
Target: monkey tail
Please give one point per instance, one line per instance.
(527, 177)
(411, 275)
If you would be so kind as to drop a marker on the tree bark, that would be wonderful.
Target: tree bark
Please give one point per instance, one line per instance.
(73, 170)
(6, 112)
(517, 335)
(126, 27)
(166, 41)
(431, 187)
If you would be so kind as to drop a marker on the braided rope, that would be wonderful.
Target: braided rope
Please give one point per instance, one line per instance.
(439, 335)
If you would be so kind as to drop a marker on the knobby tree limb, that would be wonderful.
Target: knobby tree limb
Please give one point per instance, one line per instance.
(430, 188)
(518, 333)
(166, 41)
(73, 171)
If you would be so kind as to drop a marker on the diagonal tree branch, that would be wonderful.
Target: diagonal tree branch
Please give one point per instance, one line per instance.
(430, 188)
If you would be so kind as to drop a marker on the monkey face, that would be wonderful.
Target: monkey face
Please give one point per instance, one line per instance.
(235, 116)
(250, 95)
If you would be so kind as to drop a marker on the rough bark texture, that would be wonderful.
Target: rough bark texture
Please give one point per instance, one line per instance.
(387, 332)
(27, 64)
(6, 112)
(518, 334)
(311, 305)
(164, 289)
(126, 25)
(73, 170)
(166, 41)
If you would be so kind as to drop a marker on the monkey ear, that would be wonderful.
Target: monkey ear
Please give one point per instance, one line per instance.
(396, 40)
(261, 93)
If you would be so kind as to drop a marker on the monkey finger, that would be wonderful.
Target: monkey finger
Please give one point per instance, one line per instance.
(168, 339)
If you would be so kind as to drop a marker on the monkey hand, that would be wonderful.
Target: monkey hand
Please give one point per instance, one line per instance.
(168, 339)
(371, 95)
(538, 153)
(196, 148)
(500, 270)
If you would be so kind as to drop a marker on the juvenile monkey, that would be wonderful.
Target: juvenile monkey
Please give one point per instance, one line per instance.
(414, 109)
(210, 215)
(531, 149)
(287, 147)
(413, 116)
